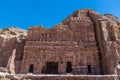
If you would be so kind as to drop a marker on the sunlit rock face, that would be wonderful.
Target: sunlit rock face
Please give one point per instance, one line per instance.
(86, 42)
(12, 41)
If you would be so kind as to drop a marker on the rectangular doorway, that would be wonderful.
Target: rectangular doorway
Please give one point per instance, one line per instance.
(52, 67)
(89, 69)
(69, 67)
(31, 67)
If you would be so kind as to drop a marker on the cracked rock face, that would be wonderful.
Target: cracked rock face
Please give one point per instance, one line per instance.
(12, 40)
(94, 37)
(91, 36)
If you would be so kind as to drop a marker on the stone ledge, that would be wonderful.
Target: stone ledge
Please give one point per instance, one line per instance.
(59, 77)
(70, 77)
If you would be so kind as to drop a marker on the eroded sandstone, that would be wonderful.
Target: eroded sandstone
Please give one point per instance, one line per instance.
(85, 43)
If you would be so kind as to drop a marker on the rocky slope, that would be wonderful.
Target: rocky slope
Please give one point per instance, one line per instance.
(12, 41)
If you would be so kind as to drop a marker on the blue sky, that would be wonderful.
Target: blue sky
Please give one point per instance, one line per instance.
(25, 13)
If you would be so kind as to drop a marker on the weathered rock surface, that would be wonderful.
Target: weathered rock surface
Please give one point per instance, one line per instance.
(12, 41)
(86, 42)
(85, 38)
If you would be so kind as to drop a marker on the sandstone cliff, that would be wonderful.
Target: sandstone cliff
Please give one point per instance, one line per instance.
(12, 41)
(86, 26)
(105, 32)
(107, 35)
